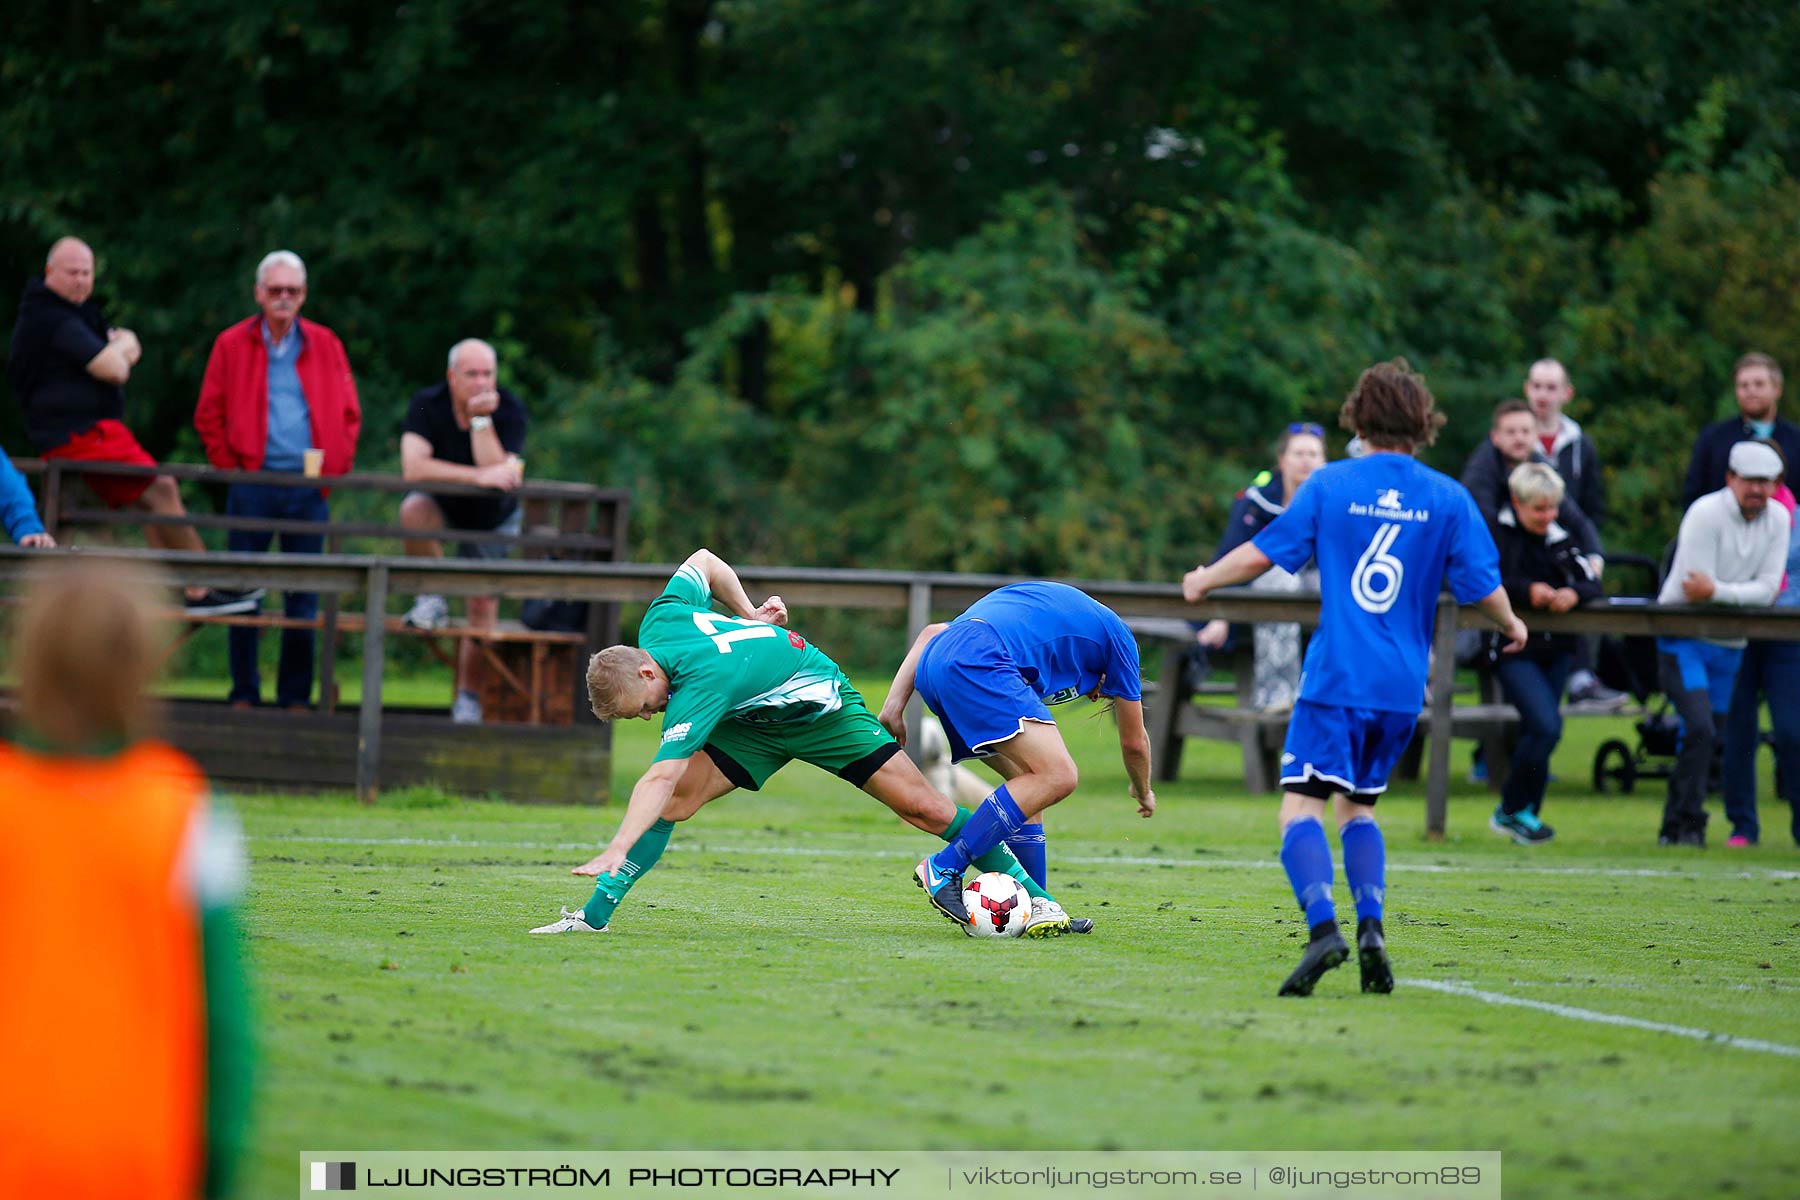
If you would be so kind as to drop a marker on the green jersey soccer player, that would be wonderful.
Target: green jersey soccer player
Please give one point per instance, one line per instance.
(741, 697)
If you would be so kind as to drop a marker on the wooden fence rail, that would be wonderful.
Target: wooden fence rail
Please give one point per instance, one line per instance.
(920, 595)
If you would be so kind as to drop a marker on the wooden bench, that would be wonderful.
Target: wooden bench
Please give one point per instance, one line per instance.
(530, 671)
(535, 677)
(1172, 714)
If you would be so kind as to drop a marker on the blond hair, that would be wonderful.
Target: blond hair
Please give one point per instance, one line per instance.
(611, 674)
(87, 645)
(1532, 482)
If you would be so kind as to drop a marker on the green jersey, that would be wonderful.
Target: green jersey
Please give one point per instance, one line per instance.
(724, 668)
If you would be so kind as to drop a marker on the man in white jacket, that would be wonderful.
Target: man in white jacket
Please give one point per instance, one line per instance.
(1731, 550)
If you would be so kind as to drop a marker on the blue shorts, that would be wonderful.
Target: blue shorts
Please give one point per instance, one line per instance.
(966, 677)
(1705, 667)
(1351, 749)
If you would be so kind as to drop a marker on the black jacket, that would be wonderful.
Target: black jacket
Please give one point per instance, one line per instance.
(1485, 475)
(1525, 559)
(1706, 467)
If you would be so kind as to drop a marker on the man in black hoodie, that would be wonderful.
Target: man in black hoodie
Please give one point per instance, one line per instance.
(1757, 382)
(1513, 442)
(68, 369)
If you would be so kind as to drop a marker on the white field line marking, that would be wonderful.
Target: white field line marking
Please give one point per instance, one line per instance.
(1600, 1018)
(1079, 860)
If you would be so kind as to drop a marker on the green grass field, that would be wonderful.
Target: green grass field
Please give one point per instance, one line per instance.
(779, 983)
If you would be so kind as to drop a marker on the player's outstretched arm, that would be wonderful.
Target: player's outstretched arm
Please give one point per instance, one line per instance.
(1134, 746)
(893, 711)
(1498, 609)
(648, 799)
(728, 589)
(1240, 566)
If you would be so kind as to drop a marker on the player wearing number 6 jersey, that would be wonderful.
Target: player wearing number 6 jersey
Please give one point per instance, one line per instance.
(741, 698)
(1388, 533)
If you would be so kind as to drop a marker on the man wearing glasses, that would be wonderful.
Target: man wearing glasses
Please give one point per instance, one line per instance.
(278, 396)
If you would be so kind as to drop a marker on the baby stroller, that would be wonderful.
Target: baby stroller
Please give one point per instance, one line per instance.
(1629, 664)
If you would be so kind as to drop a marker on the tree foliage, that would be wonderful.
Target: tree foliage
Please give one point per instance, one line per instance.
(1022, 288)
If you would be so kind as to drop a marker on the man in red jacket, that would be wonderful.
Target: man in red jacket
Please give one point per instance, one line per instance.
(278, 391)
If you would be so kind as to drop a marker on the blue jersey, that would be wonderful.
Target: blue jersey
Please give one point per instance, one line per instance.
(1388, 533)
(1062, 640)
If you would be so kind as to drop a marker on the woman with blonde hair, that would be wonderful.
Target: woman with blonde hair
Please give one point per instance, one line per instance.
(144, 988)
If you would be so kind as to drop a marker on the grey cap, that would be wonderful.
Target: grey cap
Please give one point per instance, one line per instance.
(1754, 460)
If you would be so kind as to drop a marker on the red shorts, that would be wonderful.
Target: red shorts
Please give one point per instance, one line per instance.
(109, 441)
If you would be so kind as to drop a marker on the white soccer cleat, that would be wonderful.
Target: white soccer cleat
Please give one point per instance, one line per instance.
(570, 922)
(1047, 919)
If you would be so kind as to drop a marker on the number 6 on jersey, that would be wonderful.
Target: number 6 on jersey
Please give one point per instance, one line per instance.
(1375, 584)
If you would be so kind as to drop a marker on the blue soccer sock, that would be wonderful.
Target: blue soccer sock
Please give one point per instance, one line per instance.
(987, 827)
(1306, 857)
(1027, 846)
(609, 890)
(1365, 865)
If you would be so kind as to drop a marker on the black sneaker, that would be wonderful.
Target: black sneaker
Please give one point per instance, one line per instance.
(1692, 837)
(945, 891)
(1081, 924)
(1325, 951)
(218, 602)
(1371, 955)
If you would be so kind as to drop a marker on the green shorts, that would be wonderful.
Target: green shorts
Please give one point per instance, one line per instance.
(850, 743)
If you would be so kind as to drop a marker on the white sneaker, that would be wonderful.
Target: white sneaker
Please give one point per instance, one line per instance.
(570, 922)
(428, 612)
(466, 709)
(1047, 919)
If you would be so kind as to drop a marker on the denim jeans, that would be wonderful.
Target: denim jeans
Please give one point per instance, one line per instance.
(1535, 688)
(294, 675)
(1769, 669)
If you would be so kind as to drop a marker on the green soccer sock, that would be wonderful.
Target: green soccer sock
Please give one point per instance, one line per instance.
(998, 859)
(609, 890)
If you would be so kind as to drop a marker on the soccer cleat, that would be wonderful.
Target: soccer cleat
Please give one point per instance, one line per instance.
(571, 922)
(1522, 827)
(1047, 919)
(428, 612)
(1371, 956)
(945, 891)
(1081, 924)
(220, 602)
(1322, 954)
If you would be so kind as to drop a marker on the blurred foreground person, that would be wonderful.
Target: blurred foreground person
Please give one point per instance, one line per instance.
(139, 999)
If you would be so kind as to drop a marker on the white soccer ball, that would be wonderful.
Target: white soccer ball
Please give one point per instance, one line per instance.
(998, 905)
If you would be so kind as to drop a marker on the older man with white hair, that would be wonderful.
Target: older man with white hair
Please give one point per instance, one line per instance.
(277, 392)
(1732, 549)
(467, 429)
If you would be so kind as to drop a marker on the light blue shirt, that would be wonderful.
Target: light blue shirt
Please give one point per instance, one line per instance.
(1790, 595)
(290, 422)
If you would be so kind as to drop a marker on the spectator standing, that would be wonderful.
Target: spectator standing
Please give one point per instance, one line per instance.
(276, 386)
(148, 1005)
(1769, 670)
(69, 368)
(1512, 442)
(1577, 461)
(1757, 381)
(18, 511)
(1540, 568)
(1731, 550)
(1299, 452)
(467, 429)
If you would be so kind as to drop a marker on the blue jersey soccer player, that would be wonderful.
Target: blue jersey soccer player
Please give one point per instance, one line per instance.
(740, 699)
(1388, 532)
(990, 676)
